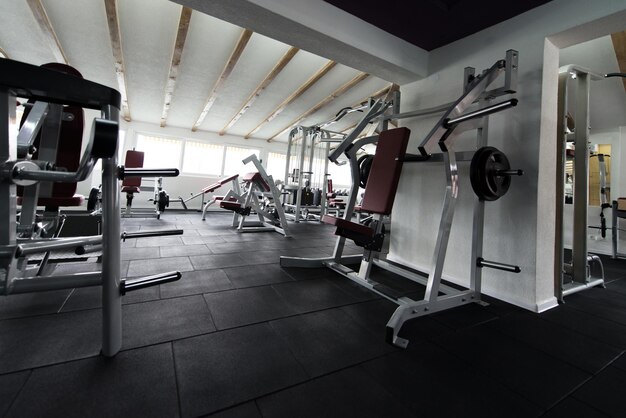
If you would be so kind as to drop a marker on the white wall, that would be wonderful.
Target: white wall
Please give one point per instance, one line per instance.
(511, 230)
(185, 184)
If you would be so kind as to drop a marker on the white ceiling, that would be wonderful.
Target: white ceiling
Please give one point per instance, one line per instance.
(148, 31)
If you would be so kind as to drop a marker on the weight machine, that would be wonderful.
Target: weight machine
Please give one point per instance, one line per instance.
(53, 92)
(490, 178)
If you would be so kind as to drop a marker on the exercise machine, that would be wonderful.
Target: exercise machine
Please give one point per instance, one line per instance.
(261, 197)
(52, 92)
(231, 196)
(133, 185)
(490, 176)
(576, 273)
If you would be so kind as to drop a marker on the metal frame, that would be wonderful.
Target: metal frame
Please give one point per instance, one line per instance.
(55, 88)
(579, 270)
(442, 136)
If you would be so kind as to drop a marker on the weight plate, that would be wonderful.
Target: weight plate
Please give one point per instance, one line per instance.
(487, 183)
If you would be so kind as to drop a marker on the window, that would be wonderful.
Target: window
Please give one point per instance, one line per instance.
(340, 174)
(276, 165)
(203, 158)
(159, 152)
(121, 139)
(233, 162)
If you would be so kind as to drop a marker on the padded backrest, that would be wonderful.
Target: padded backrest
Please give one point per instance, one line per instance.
(382, 182)
(258, 179)
(70, 139)
(134, 159)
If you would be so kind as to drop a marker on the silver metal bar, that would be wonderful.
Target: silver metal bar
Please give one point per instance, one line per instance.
(54, 244)
(45, 283)
(483, 111)
(48, 146)
(581, 179)
(111, 295)
(150, 172)
(30, 128)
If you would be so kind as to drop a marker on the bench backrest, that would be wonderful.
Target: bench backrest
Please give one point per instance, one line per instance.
(382, 182)
(134, 159)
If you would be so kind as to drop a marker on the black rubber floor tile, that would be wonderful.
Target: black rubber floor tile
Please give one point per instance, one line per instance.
(243, 277)
(348, 393)
(577, 349)
(359, 292)
(10, 385)
(165, 320)
(184, 250)
(571, 407)
(216, 261)
(158, 265)
(77, 267)
(159, 241)
(313, 295)
(603, 330)
(140, 253)
(604, 296)
(606, 392)
(31, 304)
(91, 297)
(618, 286)
(465, 316)
(246, 410)
(234, 308)
(299, 273)
(533, 374)
(197, 282)
(225, 368)
(499, 307)
(261, 257)
(431, 383)
(620, 363)
(132, 384)
(606, 309)
(330, 340)
(37, 341)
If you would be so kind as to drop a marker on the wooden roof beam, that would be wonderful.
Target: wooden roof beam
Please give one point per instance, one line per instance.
(619, 44)
(179, 45)
(3, 54)
(280, 65)
(299, 92)
(49, 34)
(118, 55)
(228, 69)
(332, 96)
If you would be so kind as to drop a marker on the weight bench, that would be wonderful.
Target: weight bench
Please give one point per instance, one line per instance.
(231, 196)
(257, 184)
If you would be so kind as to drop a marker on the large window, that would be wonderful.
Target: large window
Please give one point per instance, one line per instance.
(340, 174)
(233, 162)
(276, 165)
(203, 158)
(159, 152)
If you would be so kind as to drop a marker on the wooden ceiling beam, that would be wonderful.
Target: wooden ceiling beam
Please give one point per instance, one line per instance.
(179, 45)
(332, 96)
(619, 44)
(3, 54)
(118, 55)
(49, 34)
(280, 65)
(299, 92)
(245, 36)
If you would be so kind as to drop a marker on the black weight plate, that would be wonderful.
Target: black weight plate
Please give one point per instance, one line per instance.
(487, 185)
(92, 201)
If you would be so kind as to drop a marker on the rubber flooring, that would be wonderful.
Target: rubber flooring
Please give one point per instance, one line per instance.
(239, 336)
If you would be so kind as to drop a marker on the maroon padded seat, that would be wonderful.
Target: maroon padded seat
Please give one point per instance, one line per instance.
(382, 183)
(230, 205)
(213, 187)
(134, 159)
(230, 199)
(68, 149)
(340, 223)
(258, 179)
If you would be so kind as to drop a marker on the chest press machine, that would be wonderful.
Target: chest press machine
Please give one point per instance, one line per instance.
(490, 178)
(55, 93)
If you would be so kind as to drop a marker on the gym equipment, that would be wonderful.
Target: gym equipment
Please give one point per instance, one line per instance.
(133, 185)
(383, 181)
(52, 93)
(260, 196)
(490, 173)
(231, 195)
(577, 275)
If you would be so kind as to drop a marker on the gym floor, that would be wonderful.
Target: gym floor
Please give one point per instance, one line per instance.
(238, 336)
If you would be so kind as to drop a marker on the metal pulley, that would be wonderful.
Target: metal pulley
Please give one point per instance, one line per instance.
(490, 173)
